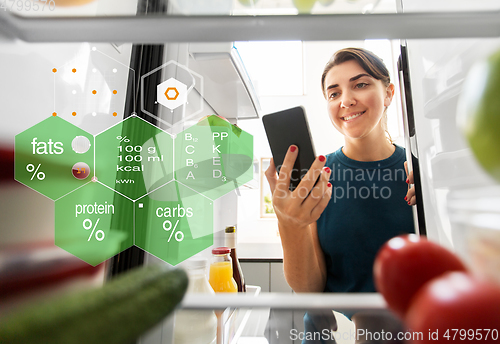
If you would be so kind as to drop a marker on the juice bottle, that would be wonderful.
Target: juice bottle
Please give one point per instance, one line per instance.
(221, 271)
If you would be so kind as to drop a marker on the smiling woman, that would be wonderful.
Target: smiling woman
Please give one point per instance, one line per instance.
(354, 85)
(332, 230)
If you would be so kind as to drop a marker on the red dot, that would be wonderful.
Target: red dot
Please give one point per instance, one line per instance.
(74, 113)
(80, 170)
(115, 91)
(54, 114)
(115, 114)
(74, 70)
(94, 92)
(54, 70)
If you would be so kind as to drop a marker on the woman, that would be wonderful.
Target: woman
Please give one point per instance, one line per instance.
(332, 230)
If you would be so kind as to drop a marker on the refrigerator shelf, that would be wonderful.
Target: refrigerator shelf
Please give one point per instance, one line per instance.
(282, 301)
(173, 28)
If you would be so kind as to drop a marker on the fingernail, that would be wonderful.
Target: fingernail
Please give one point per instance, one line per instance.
(292, 149)
(406, 198)
(322, 158)
(407, 180)
(327, 169)
(409, 203)
(329, 185)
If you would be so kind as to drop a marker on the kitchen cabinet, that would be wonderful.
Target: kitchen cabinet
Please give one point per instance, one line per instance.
(270, 276)
(257, 273)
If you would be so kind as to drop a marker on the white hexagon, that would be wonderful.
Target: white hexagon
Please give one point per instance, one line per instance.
(196, 101)
(171, 93)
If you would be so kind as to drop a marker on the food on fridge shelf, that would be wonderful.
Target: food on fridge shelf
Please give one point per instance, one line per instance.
(196, 326)
(479, 113)
(7, 163)
(117, 313)
(407, 262)
(221, 271)
(304, 6)
(456, 308)
(34, 268)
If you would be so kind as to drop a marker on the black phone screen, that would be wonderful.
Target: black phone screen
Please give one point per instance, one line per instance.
(286, 128)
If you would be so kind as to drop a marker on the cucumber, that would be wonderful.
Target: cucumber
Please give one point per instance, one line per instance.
(117, 313)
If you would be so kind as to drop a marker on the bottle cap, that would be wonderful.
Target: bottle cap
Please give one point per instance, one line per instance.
(221, 250)
(230, 229)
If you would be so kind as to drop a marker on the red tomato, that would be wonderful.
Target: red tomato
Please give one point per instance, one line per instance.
(405, 263)
(456, 308)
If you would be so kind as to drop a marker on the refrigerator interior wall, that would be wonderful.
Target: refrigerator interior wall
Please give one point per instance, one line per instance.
(438, 69)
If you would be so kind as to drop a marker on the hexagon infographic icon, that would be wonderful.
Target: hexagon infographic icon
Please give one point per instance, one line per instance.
(90, 91)
(174, 84)
(94, 223)
(214, 157)
(171, 93)
(174, 223)
(54, 157)
(134, 157)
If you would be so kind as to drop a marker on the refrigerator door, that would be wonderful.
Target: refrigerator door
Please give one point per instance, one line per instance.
(437, 71)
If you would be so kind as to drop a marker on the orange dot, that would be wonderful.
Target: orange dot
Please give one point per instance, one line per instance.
(54, 114)
(94, 92)
(115, 92)
(74, 113)
(74, 70)
(54, 70)
(115, 114)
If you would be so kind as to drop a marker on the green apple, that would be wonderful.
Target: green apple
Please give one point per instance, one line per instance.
(304, 6)
(479, 113)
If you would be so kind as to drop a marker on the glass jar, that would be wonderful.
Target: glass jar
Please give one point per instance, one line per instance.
(221, 271)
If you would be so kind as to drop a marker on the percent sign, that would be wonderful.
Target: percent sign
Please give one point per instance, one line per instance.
(167, 225)
(87, 224)
(123, 139)
(31, 168)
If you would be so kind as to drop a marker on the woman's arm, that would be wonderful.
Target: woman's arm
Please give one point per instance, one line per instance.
(303, 260)
(297, 212)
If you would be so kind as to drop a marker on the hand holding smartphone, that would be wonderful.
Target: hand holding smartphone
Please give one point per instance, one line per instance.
(286, 128)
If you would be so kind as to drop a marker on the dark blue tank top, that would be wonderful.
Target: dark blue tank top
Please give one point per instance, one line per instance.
(367, 208)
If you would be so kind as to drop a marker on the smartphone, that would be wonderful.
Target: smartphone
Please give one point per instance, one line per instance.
(286, 128)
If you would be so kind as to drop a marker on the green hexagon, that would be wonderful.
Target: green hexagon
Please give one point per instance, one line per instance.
(94, 223)
(134, 157)
(214, 157)
(54, 157)
(174, 223)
